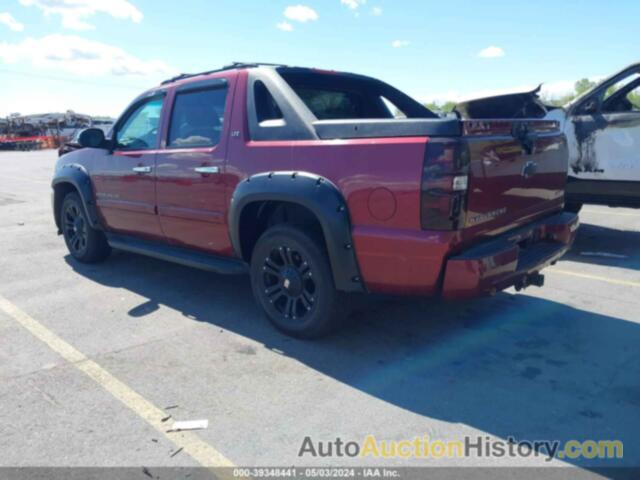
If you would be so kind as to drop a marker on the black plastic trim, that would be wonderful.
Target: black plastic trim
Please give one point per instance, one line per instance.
(78, 177)
(189, 258)
(512, 237)
(318, 195)
(203, 85)
(297, 118)
(603, 192)
(418, 127)
(226, 68)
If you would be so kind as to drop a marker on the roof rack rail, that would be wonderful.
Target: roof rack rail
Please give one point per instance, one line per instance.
(231, 66)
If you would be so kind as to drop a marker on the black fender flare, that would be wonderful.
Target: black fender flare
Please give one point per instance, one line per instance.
(77, 176)
(322, 198)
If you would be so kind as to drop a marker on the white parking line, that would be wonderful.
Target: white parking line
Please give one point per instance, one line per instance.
(626, 283)
(199, 450)
(608, 212)
(25, 179)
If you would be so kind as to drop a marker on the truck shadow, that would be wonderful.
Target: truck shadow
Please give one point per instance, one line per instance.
(512, 366)
(606, 246)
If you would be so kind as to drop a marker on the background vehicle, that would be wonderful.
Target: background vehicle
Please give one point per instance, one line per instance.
(603, 133)
(603, 130)
(305, 179)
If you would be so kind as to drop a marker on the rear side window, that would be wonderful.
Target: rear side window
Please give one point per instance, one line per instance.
(197, 118)
(266, 107)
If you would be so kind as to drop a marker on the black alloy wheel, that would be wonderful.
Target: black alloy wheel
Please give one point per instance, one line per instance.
(75, 229)
(292, 281)
(288, 282)
(85, 244)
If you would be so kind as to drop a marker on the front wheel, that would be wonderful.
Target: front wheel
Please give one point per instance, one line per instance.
(85, 244)
(292, 281)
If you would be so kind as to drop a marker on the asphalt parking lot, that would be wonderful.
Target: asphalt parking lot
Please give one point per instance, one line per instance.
(91, 356)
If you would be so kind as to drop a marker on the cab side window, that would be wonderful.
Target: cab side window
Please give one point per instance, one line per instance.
(197, 118)
(267, 109)
(634, 98)
(623, 96)
(140, 129)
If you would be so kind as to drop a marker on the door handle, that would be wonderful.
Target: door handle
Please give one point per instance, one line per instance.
(207, 170)
(142, 169)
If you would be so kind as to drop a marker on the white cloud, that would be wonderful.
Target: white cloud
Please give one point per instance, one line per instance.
(558, 89)
(75, 12)
(80, 56)
(400, 43)
(376, 11)
(7, 19)
(491, 52)
(301, 13)
(457, 96)
(284, 26)
(353, 4)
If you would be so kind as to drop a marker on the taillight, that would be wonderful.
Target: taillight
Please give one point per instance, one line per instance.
(445, 180)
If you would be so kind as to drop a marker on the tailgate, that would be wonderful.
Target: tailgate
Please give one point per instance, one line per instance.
(517, 173)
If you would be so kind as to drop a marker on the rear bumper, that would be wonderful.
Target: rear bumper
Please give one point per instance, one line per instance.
(509, 259)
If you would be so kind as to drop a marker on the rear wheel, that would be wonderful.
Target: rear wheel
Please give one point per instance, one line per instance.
(292, 281)
(85, 244)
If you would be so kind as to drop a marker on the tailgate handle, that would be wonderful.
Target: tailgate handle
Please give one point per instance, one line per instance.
(527, 139)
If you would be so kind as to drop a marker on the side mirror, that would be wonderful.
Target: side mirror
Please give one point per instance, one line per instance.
(92, 138)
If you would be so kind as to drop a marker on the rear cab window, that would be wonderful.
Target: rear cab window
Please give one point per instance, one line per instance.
(197, 118)
(342, 96)
(334, 104)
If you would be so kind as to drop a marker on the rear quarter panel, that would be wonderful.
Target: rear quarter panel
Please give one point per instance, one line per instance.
(380, 181)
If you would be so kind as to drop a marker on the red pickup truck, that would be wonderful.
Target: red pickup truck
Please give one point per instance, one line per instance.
(319, 184)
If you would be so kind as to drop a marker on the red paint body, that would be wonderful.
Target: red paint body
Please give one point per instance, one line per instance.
(379, 178)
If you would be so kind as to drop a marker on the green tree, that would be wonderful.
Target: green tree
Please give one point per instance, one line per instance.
(559, 102)
(580, 87)
(634, 98)
(445, 107)
(583, 85)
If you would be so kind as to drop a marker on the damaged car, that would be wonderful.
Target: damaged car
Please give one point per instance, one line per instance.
(602, 127)
(603, 132)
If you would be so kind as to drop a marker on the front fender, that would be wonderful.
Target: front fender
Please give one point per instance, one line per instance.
(76, 176)
(318, 195)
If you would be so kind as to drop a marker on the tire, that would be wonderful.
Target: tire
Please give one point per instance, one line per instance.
(85, 244)
(573, 207)
(292, 281)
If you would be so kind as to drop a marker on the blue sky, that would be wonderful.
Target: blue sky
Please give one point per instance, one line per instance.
(94, 56)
